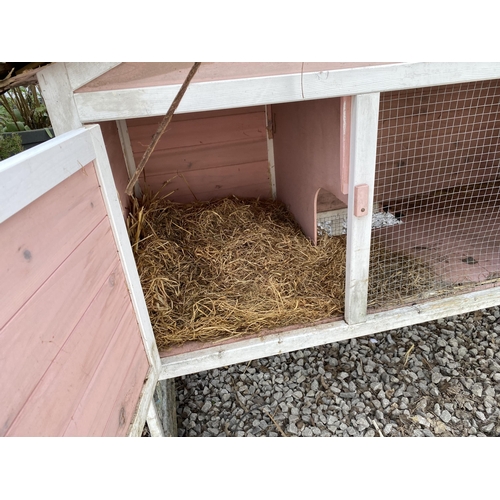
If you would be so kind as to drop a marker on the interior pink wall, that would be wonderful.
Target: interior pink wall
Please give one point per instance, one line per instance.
(206, 155)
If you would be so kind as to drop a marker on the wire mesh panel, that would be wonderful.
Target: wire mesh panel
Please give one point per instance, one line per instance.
(438, 175)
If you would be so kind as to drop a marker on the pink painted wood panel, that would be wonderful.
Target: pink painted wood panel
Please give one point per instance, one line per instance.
(140, 74)
(213, 154)
(30, 341)
(307, 153)
(30, 251)
(244, 181)
(108, 380)
(204, 128)
(126, 401)
(55, 398)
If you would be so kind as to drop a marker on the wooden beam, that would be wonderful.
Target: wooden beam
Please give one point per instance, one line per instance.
(241, 92)
(364, 125)
(243, 351)
(128, 153)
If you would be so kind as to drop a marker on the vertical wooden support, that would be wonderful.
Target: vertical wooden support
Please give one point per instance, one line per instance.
(270, 149)
(364, 125)
(128, 153)
(154, 422)
(124, 248)
(57, 93)
(166, 403)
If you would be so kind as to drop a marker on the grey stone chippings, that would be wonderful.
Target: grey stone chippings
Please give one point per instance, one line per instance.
(441, 378)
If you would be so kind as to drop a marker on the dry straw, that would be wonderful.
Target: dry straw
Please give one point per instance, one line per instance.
(226, 268)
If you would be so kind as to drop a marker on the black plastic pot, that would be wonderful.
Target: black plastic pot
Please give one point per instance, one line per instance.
(31, 138)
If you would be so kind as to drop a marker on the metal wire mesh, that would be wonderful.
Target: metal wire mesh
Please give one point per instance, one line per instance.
(438, 174)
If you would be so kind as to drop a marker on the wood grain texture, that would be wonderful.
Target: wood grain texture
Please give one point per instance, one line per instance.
(209, 154)
(244, 181)
(57, 92)
(364, 123)
(29, 251)
(52, 403)
(30, 341)
(107, 381)
(125, 404)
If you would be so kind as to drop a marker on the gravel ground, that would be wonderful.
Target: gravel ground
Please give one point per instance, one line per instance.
(440, 378)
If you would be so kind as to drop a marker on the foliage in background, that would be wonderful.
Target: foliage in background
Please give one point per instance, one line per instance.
(23, 108)
(10, 145)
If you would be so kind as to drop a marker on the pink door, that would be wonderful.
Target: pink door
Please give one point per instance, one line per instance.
(77, 352)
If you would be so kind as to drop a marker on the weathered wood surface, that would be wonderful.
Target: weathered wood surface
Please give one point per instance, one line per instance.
(364, 121)
(75, 357)
(296, 84)
(302, 338)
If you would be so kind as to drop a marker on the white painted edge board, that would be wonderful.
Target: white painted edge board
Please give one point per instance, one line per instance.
(225, 94)
(28, 175)
(144, 405)
(154, 423)
(303, 338)
(115, 214)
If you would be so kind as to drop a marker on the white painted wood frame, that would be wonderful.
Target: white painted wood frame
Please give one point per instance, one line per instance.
(128, 153)
(223, 94)
(57, 93)
(364, 127)
(80, 73)
(243, 351)
(43, 168)
(270, 150)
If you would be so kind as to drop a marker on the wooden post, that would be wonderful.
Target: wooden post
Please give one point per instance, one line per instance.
(364, 126)
(166, 403)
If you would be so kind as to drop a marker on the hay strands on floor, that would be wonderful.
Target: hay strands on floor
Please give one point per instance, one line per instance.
(226, 268)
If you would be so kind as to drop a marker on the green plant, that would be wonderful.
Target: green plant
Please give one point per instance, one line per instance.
(23, 108)
(10, 145)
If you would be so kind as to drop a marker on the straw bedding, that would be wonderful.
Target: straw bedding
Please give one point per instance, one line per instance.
(226, 268)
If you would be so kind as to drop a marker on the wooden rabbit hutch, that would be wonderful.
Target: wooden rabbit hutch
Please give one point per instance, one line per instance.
(401, 158)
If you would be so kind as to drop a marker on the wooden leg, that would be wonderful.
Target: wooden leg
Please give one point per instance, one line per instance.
(154, 422)
(166, 404)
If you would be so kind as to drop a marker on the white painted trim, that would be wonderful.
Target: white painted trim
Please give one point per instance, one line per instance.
(205, 96)
(154, 422)
(115, 213)
(364, 127)
(28, 175)
(128, 153)
(144, 405)
(303, 338)
(58, 96)
(270, 153)
(80, 73)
